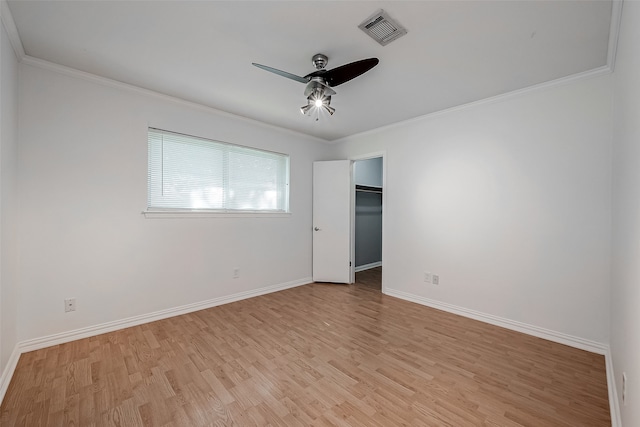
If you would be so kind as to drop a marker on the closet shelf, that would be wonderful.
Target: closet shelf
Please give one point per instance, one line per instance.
(369, 189)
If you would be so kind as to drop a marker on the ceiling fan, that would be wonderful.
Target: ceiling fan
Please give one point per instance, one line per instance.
(319, 83)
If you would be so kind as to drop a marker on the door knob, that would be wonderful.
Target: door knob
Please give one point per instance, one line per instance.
(316, 229)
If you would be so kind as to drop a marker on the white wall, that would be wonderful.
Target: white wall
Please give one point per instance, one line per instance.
(625, 287)
(509, 202)
(83, 184)
(8, 199)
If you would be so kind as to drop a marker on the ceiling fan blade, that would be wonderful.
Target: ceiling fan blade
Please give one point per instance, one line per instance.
(327, 91)
(344, 73)
(282, 73)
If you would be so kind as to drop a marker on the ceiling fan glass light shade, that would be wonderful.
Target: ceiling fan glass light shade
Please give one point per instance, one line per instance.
(317, 100)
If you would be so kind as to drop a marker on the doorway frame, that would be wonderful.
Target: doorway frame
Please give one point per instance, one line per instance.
(352, 220)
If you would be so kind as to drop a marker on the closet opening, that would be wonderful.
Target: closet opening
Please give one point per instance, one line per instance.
(368, 180)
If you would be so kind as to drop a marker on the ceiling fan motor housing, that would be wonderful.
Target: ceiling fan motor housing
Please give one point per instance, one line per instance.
(320, 61)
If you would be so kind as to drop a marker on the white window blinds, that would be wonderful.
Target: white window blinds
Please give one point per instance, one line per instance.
(190, 173)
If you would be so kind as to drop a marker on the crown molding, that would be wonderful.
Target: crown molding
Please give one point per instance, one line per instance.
(596, 72)
(103, 81)
(614, 32)
(12, 30)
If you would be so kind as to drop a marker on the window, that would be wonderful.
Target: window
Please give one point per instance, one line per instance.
(190, 173)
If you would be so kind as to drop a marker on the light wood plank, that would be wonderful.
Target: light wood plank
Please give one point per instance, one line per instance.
(315, 355)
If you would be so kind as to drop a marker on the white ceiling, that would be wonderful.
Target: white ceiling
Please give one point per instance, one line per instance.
(455, 52)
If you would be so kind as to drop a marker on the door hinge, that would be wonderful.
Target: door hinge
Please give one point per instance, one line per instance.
(349, 263)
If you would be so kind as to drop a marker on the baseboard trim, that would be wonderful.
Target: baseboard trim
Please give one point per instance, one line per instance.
(55, 339)
(547, 334)
(368, 266)
(614, 405)
(8, 371)
(559, 337)
(63, 337)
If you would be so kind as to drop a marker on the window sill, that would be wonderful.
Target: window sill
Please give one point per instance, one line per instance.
(213, 214)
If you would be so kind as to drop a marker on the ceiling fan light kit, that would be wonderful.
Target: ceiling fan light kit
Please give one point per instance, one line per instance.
(316, 100)
(319, 83)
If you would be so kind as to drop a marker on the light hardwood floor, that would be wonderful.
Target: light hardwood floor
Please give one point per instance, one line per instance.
(371, 278)
(315, 355)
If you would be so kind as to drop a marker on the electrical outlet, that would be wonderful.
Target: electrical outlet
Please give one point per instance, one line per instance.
(624, 388)
(436, 279)
(236, 273)
(69, 305)
(427, 277)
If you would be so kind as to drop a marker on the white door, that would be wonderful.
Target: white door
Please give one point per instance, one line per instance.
(332, 221)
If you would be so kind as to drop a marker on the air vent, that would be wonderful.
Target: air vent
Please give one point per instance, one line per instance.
(382, 28)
